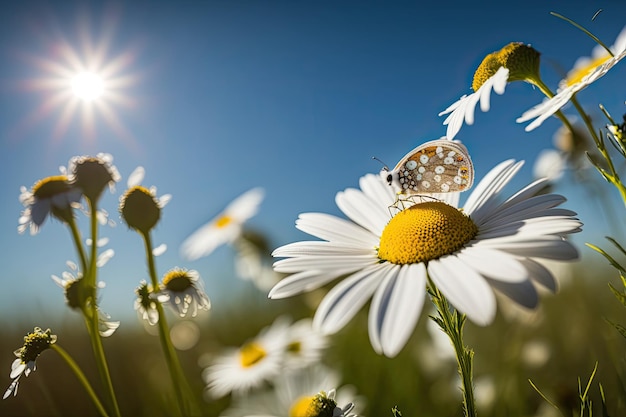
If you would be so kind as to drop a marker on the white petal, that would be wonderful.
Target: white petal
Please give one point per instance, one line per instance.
(207, 238)
(319, 248)
(335, 229)
(548, 247)
(136, 177)
(346, 298)
(523, 293)
(246, 205)
(324, 263)
(494, 264)
(466, 290)
(104, 257)
(362, 210)
(395, 308)
(302, 282)
(159, 250)
(489, 185)
(540, 274)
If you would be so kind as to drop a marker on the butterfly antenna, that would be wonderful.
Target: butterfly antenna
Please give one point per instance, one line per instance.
(385, 167)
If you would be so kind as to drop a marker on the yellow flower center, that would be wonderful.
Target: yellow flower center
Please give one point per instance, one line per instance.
(35, 343)
(424, 232)
(223, 221)
(302, 407)
(251, 353)
(50, 187)
(521, 60)
(576, 75)
(177, 280)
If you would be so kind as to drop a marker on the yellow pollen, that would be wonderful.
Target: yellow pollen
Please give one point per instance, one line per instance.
(50, 186)
(251, 353)
(177, 280)
(578, 74)
(303, 407)
(424, 232)
(223, 221)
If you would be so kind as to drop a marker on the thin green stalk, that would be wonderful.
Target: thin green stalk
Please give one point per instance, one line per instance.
(451, 323)
(90, 311)
(81, 377)
(174, 367)
(613, 178)
(78, 243)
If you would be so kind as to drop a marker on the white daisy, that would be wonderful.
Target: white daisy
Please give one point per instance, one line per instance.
(53, 196)
(467, 253)
(183, 290)
(463, 109)
(71, 283)
(225, 228)
(257, 361)
(34, 344)
(92, 174)
(253, 261)
(294, 396)
(585, 72)
(305, 345)
(145, 304)
(139, 206)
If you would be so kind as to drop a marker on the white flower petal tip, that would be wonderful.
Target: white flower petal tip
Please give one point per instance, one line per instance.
(463, 109)
(224, 228)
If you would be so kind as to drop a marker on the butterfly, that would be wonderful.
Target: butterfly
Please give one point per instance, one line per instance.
(438, 166)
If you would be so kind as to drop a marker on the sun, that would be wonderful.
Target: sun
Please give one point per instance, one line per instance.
(83, 83)
(87, 86)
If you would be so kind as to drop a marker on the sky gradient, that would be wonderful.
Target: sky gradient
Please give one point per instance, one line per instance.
(215, 98)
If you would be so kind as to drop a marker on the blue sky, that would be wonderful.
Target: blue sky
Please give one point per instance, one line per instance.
(218, 97)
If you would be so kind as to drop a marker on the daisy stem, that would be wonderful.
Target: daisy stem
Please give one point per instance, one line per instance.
(81, 377)
(90, 311)
(613, 176)
(451, 323)
(77, 241)
(176, 373)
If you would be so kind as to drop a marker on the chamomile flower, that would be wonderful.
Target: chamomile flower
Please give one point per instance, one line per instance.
(145, 304)
(225, 228)
(183, 290)
(305, 345)
(92, 174)
(52, 196)
(34, 344)
(467, 253)
(294, 395)
(139, 206)
(240, 369)
(585, 72)
(514, 62)
(72, 285)
(253, 261)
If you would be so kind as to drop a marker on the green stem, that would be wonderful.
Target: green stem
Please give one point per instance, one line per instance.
(174, 367)
(613, 178)
(90, 312)
(78, 243)
(81, 377)
(451, 323)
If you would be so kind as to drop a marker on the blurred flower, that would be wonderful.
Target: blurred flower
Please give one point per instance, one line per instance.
(34, 344)
(75, 294)
(584, 73)
(294, 395)
(145, 304)
(139, 206)
(305, 345)
(514, 62)
(466, 252)
(53, 196)
(253, 260)
(93, 174)
(225, 228)
(183, 290)
(257, 361)
(550, 164)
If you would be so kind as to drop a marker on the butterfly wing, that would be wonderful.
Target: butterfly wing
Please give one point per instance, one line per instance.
(438, 166)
